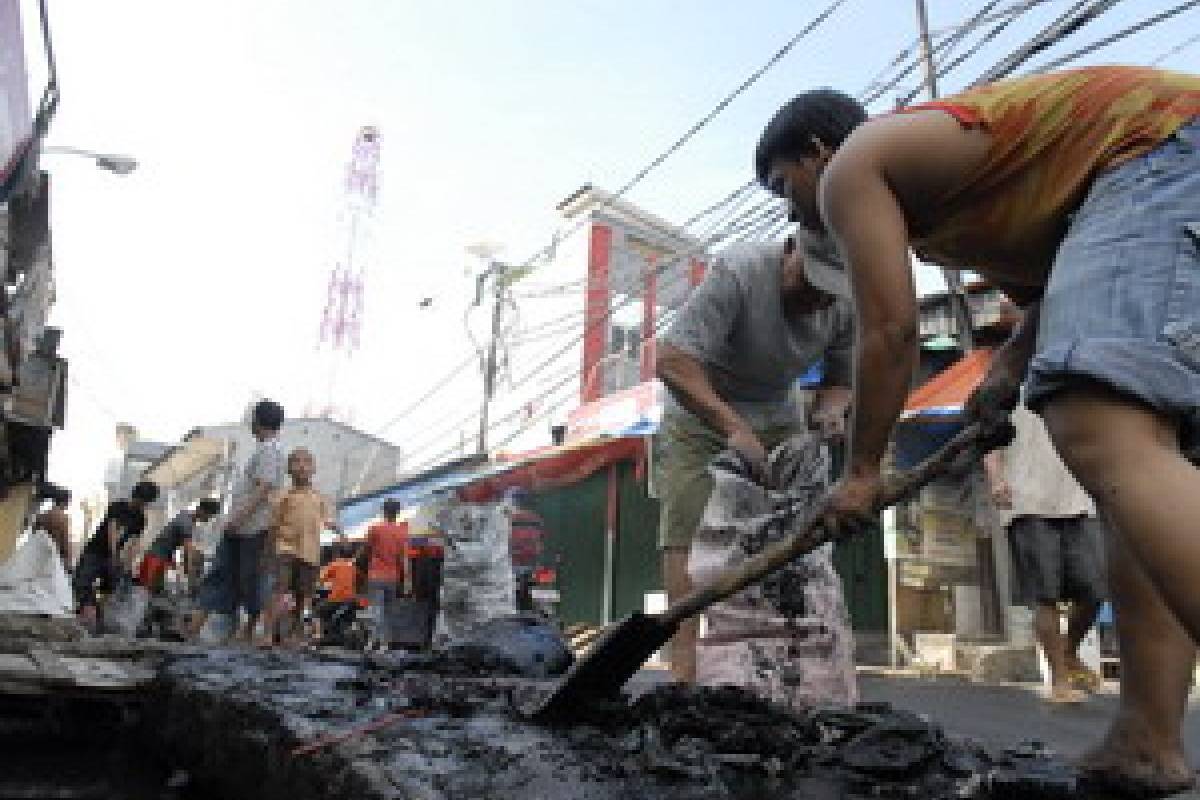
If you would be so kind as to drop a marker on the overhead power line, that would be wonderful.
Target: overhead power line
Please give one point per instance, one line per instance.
(1121, 34)
(986, 39)
(1176, 50)
(1069, 22)
(944, 46)
(729, 98)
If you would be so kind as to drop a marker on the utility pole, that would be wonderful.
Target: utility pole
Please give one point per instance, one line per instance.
(927, 49)
(958, 295)
(495, 271)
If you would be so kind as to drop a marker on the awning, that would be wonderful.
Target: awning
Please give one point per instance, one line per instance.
(541, 469)
(185, 460)
(556, 466)
(946, 392)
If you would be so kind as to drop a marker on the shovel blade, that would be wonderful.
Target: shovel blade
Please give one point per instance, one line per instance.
(613, 659)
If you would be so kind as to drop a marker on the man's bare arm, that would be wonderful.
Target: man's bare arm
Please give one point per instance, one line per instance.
(686, 378)
(866, 220)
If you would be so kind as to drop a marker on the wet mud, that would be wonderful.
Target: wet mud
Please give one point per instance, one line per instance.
(283, 725)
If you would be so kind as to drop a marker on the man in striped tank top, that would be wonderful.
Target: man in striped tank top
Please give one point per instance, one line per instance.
(1078, 193)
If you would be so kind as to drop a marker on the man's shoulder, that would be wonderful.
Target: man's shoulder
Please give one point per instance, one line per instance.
(745, 261)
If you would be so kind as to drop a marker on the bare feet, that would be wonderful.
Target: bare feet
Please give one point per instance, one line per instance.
(1134, 761)
(1064, 693)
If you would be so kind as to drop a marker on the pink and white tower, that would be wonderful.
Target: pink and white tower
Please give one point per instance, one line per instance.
(341, 319)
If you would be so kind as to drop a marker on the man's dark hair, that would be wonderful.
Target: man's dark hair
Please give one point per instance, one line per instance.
(390, 509)
(268, 414)
(146, 491)
(61, 496)
(209, 506)
(826, 114)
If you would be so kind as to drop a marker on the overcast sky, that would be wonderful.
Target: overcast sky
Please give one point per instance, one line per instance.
(198, 280)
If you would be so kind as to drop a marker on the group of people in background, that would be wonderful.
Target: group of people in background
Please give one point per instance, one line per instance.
(269, 573)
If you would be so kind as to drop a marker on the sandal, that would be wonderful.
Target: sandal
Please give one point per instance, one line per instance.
(1085, 680)
(1066, 695)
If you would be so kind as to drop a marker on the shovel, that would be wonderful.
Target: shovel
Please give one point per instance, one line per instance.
(622, 649)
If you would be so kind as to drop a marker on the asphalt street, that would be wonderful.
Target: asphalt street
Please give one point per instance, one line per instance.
(1001, 716)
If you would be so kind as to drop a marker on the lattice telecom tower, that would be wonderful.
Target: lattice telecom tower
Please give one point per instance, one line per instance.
(341, 320)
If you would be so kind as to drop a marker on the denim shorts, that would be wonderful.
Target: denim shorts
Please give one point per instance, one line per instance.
(1122, 305)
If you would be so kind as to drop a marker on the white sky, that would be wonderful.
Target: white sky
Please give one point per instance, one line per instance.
(199, 279)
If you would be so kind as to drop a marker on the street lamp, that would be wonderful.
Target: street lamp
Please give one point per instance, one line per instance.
(114, 163)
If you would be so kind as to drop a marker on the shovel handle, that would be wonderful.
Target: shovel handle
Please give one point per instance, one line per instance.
(975, 436)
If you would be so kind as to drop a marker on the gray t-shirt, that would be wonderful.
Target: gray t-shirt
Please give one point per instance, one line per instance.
(734, 323)
(266, 465)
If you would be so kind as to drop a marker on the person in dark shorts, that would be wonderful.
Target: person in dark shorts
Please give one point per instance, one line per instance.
(235, 577)
(1057, 545)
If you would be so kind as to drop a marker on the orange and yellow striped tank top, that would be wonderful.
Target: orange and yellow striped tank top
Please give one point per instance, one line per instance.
(1051, 134)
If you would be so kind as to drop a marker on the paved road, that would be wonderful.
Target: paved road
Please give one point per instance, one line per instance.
(1000, 716)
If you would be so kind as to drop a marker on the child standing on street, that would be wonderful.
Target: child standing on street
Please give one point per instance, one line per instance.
(294, 543)
(385, 550)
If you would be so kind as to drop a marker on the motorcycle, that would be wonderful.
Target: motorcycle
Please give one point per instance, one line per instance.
(343, 623)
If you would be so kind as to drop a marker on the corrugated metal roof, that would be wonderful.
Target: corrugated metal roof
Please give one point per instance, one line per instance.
(354, 511)
(946, 392)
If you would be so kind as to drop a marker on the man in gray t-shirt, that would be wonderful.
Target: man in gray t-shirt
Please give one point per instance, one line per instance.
(763, 316)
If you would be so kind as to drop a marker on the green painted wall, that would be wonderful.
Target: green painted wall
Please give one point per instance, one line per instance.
(574, 544)
(575, 520)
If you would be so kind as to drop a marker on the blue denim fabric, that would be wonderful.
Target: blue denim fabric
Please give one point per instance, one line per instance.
(216, 588)
(1122, 305)
(235, 578)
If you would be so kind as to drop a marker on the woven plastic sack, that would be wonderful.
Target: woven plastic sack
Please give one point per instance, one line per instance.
(788, 637)
(125, 609)
(32, 580)
(477, 575)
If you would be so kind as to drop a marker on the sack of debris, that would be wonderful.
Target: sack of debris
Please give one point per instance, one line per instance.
(33, 581)
(125, 609)
(788, 637)
(477, 575)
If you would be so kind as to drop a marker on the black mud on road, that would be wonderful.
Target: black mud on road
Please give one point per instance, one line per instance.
(272, 725)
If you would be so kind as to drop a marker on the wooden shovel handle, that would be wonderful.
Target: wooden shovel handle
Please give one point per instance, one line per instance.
(978, 436)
